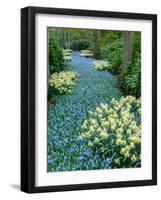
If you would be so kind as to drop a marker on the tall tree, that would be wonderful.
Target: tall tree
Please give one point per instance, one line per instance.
(69, 39)
(127, 48)
(96, 51)
(65, 38)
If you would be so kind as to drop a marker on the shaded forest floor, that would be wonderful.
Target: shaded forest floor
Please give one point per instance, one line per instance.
(65, 151)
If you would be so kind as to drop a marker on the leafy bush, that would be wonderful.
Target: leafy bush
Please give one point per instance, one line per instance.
(63, 82)
(86, 53)
(130, 81)
(101, 65)
(81, 44)
(56, 62)
(113, 53)
(51, 97)
(137, 43)
(114, 131)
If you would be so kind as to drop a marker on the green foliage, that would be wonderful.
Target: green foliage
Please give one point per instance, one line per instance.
(81, 44)
(56, 62)
(79, 33)
(130, 80)
(137, 43)
(113, 54)
(108, 37)
(51, 96)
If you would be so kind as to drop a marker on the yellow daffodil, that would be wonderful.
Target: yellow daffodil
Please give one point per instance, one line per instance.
(131, 145)
(117, 161)
(90, 144)
(126, 154)
(120, 122)
(93, 122)
(96, 140)
(133, 158)
(104, 124)
(91, 129)
(87, 135)
(98, 110)
(104, 135)
(129, 132)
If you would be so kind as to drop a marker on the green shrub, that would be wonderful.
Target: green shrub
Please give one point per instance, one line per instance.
(56, 61)
(78, 45)
(137, 43)
(51, 97)
(130, 80)
(113, 54)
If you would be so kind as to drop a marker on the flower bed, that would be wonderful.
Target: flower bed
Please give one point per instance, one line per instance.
(67, 55)
(114, 131)
(63, 82)
(67, 58)
(65, 151)
(86, 53)
(101, 65)
(67, 51)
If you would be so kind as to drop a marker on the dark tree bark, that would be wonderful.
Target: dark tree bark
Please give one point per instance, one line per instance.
(61, 37)
(127, 48)
(65, 38)
(69, 40)
(96, 51)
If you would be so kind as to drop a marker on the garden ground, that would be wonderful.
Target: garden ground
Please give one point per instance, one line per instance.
(65, 117)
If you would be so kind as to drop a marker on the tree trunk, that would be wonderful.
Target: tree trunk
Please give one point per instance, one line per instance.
(61, 38)
(96, 51)
(69, 40)
(127, 48)
(65, 38)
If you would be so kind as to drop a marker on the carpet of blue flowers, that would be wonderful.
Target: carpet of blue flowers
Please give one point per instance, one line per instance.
(65, 151)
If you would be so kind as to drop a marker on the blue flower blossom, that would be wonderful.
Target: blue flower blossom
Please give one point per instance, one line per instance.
(66, 117)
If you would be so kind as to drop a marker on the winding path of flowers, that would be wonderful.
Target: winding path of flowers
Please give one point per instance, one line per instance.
(65, 151)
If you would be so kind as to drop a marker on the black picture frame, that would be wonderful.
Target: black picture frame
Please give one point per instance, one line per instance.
(28, 98)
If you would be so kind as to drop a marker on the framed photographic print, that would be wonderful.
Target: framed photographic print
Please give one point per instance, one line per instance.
(88, 99)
